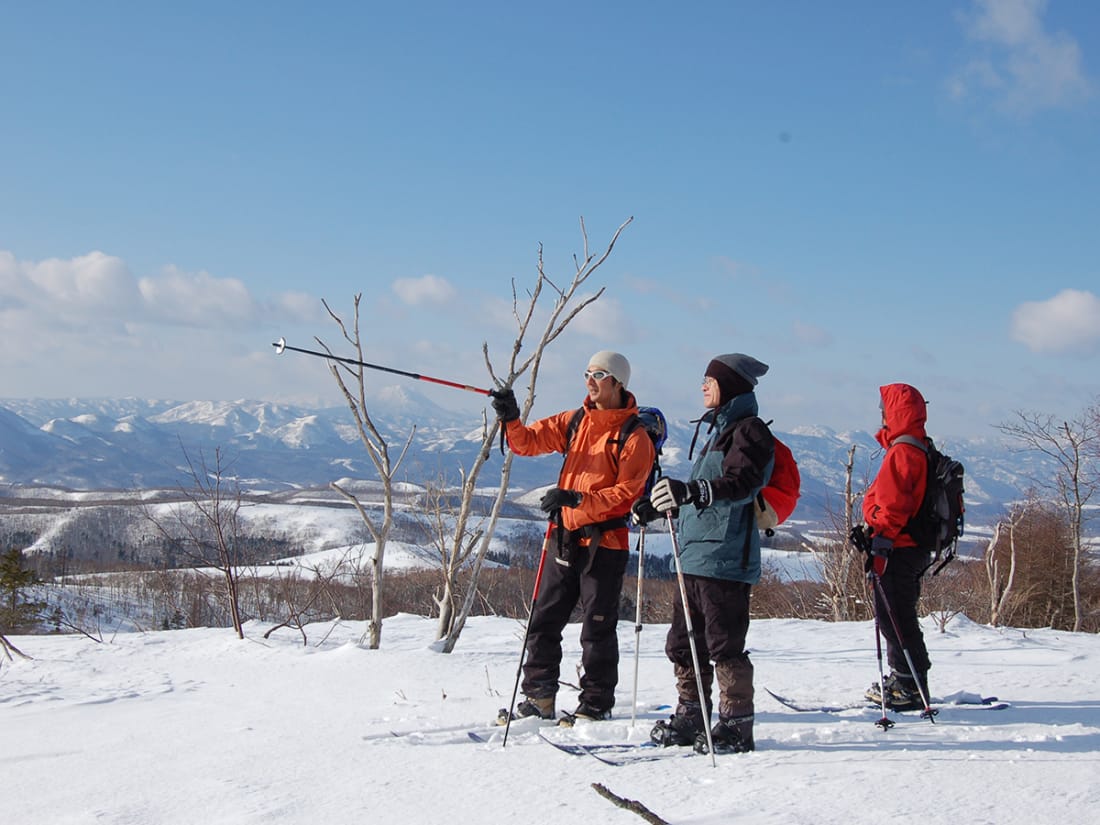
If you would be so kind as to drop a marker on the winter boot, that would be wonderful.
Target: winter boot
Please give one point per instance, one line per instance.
(901, 693)
(542, 708)
(729, 736)
(586, 712)
(681, 728)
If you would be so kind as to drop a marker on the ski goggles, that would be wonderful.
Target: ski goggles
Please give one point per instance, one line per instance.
(599, 375)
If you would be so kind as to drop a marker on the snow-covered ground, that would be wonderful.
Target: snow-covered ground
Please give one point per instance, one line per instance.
(197, 726)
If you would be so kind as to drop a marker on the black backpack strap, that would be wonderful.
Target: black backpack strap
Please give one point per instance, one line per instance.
(625, 431)
(571, 429)
(926, 447)
(628, 427)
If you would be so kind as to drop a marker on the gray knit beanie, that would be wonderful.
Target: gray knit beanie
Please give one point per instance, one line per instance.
(735, 373)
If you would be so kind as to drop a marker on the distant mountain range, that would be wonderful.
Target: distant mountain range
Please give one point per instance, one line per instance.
(128, 443)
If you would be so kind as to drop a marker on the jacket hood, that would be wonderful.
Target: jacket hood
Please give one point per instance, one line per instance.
(740, 406)
(904, 413)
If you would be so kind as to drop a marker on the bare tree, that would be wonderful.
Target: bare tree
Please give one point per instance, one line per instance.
(299, 595)
(206, 529)
(351, 380)
(452, 552)
(568, 302)
(1073, 445)
(1001, 580)
(841, 568)
(953, 591)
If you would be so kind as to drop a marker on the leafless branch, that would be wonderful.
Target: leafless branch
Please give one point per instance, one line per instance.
(9, 649)
(629, 804)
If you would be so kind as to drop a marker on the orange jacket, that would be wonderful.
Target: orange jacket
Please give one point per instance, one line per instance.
(897, 491)
(609, 480)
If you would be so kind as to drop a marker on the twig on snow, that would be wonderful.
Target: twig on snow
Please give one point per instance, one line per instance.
(629, 804)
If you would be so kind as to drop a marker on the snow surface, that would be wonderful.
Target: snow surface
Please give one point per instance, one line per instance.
(196, 726)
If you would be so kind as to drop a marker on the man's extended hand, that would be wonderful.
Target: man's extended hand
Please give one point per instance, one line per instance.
(505, 405)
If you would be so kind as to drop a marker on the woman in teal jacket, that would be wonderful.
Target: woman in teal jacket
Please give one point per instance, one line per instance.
(720, 555)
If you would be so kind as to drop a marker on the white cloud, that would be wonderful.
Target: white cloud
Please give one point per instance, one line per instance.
(427, 289)
(605, 321)
(1068, 322)
(1024, 67)
(1011, 22)
(195, 299)
(98, 290)
(92, 284)
(298, 306)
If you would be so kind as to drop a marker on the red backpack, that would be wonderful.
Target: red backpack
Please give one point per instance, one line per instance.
(775, 503)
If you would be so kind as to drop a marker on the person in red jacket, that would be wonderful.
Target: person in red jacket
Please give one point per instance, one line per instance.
(890, 502)
(588, 508)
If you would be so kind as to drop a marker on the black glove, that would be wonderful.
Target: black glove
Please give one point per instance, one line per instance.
(643, 512)
(669, 494)
(860, 538)
(504, 404)
(555, 498)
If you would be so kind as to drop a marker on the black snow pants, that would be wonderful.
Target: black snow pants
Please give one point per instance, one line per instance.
(901, 584)
(596, 584)
(720, 619)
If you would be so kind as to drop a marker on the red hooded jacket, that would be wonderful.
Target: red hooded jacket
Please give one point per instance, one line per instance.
(897, 491)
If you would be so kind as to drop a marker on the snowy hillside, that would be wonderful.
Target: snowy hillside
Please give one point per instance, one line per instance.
(196, 726)
(135, 444)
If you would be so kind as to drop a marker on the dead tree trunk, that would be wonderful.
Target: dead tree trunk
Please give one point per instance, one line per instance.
(352, 383)
(568, 302)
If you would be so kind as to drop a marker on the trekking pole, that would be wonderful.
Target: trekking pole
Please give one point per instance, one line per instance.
(527, 632)
(885, 722)
(638, 623)
(928, 711)
(691, 637)
(281, 346)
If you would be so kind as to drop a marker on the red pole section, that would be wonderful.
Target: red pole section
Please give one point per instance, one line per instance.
(281, 346)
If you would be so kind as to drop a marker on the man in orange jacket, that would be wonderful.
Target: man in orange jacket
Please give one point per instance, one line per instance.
(893, 498)
(598, 483)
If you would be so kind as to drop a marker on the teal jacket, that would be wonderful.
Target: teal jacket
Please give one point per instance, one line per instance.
(721, 541)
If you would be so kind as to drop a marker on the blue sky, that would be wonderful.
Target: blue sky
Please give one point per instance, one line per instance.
(855, 193)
